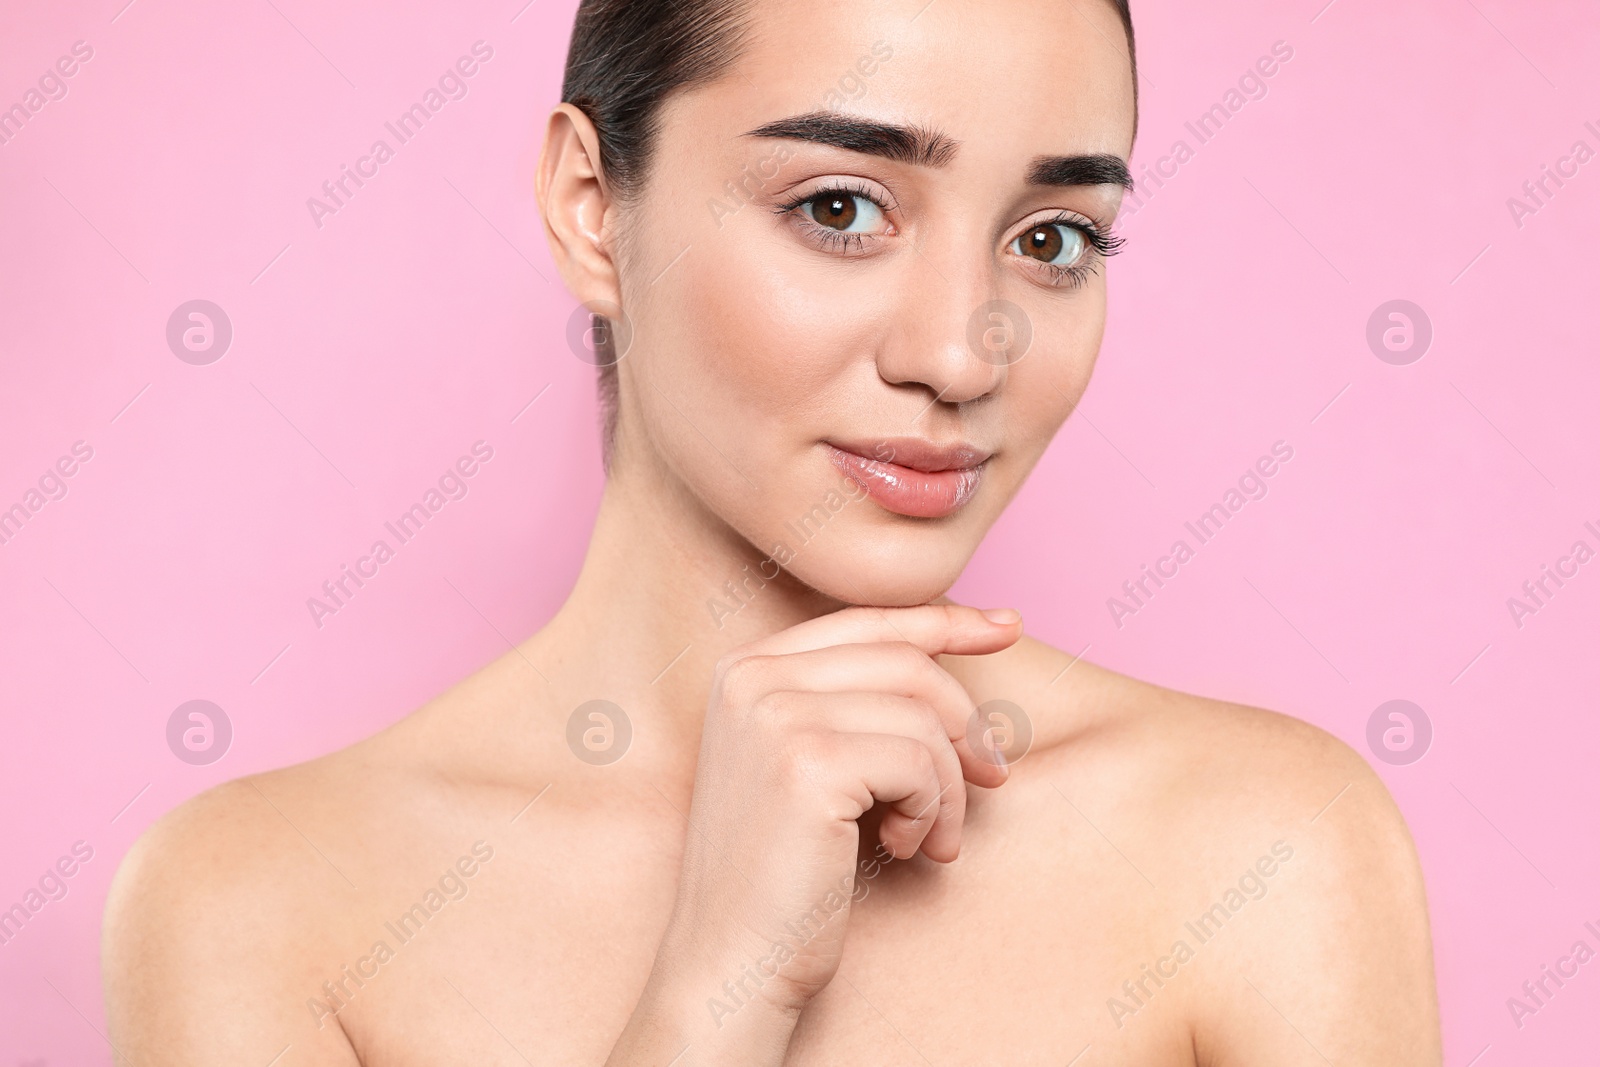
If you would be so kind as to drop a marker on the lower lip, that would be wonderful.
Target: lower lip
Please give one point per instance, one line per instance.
(904, 491)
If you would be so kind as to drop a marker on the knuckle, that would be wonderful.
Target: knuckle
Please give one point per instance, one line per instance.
(923, 713)
(774, 711)
(962, 618)
(742, 674)
(805, 755)
(913, 671)
(725, 663)
(926, 720)
(932, 725)
(923, 762)
(909, 656)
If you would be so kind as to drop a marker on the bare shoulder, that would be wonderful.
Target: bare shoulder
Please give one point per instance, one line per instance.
(211, 926)
(234, 921)
(239, 858)
(1165, 745)
(1194, 761)
(214, 867)
(250, 851)
(229, 913)
(1280, 861)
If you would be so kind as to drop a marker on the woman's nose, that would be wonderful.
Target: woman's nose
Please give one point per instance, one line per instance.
(953, 336)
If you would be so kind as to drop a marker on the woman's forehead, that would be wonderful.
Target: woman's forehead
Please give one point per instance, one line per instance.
(1052, 76)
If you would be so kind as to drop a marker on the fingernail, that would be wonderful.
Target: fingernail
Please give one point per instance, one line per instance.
(1003, 616)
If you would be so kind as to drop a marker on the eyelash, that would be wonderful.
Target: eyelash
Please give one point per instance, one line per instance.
(1103, 244)
(831, 238)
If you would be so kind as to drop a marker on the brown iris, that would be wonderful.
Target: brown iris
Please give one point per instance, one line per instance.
(836, 211)
(1044, 243)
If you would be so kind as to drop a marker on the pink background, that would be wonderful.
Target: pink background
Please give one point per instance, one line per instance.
(424, 316)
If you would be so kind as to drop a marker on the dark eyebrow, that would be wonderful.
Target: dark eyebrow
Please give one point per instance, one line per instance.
(919, 145)
(1098, 169)
(927, 147)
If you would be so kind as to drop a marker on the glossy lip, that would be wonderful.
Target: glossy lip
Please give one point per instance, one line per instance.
(916, 453)
(916, 478)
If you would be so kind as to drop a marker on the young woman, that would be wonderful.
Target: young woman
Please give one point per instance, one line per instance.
(759, 793)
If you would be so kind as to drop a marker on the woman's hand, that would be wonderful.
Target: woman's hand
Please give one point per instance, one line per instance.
(805, 731)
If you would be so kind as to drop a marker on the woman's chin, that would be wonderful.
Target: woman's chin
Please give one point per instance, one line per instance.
(859, 578)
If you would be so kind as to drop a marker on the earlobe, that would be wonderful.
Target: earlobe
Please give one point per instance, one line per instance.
(574, 200)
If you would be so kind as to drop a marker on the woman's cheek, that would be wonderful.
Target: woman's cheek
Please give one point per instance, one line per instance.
(785, 339)
(1074, 345)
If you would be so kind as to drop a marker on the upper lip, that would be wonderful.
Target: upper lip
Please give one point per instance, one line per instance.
(917, 453)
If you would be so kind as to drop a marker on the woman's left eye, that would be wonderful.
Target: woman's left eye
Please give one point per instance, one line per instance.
(1053, 243)
(841, 211)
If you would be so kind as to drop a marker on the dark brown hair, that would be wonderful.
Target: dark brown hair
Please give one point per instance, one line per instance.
(625, 59)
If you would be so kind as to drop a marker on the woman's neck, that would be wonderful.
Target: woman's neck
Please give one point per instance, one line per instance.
(665, 590)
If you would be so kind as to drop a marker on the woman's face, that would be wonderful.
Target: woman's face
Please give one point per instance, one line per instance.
(856, 331)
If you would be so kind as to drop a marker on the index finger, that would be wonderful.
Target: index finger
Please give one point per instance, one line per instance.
(936, 629)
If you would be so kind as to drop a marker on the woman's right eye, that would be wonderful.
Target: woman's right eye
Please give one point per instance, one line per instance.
(842, 211)
(841, 218)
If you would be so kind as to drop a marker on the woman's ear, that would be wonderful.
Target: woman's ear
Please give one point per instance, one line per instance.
(575, 201)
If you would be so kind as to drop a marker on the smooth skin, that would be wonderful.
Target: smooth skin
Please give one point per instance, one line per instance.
(800, 772)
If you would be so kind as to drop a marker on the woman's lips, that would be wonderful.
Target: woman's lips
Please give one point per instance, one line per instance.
(907, 491)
